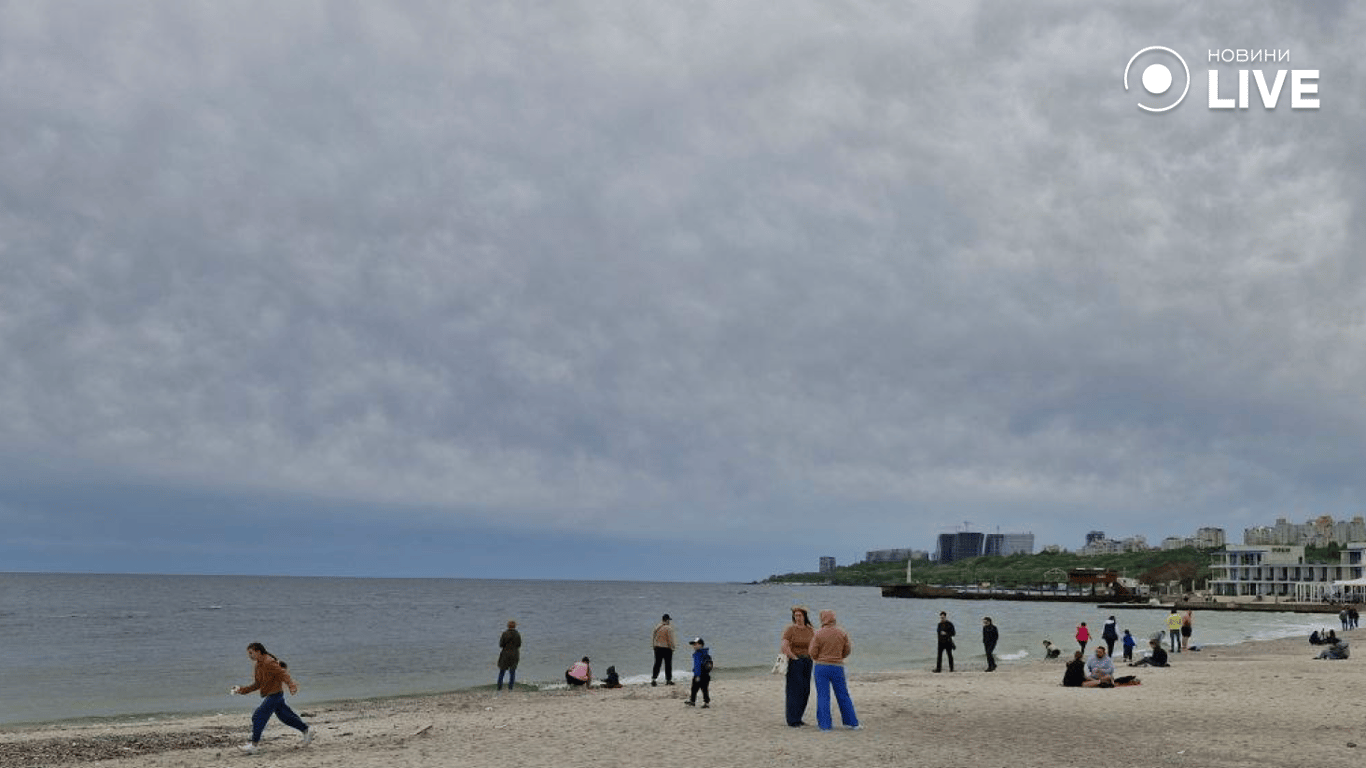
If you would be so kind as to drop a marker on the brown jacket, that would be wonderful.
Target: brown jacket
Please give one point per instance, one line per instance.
(831, 644)
(271, 678)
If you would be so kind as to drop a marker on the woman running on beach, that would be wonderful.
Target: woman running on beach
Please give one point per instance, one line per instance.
(271, 680)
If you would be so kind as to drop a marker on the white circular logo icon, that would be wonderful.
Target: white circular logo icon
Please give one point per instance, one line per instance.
(1157, 77)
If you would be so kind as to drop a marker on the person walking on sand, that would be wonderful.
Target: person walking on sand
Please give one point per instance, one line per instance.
(701, 673)
(989, 637)
(796, 646)
(510, 651)
(663, 640)
(1110, 634)
(270, 678)
(1083, 636)
(944, 632)
(1174, 630)
(830, 646)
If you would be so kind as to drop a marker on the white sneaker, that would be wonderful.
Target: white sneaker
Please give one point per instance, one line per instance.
(249, 748)
(307, 738)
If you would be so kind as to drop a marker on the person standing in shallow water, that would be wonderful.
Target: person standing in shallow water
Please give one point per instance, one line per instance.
(796, 647)
(945, 633)
(270, 679)
(509, 653)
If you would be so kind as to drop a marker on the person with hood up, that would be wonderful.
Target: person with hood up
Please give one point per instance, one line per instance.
(830, 646)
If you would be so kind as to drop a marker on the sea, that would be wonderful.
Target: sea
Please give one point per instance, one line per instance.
(82, 647)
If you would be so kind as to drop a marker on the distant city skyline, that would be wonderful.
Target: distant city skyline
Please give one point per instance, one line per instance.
(1317, 530)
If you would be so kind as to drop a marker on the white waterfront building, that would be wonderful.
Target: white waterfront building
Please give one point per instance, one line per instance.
(1280, 572)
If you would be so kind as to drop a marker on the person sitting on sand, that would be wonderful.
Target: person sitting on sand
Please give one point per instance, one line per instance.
(1100, 670)
(1157, 656)
(1074, 676)
(613, 680)
(1337, 650)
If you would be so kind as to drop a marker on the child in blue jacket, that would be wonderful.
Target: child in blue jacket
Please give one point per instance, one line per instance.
(701, 673)
(1129, 644)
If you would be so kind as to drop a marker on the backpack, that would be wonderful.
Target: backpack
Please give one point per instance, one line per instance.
(706, 664)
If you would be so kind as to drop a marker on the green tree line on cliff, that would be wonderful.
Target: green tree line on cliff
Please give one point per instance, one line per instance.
(1013, 571)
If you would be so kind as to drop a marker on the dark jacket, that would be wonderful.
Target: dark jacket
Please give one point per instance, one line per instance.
(1109, 633)
(946, 633)
(1075, 673)
(511, 644)
(989, 636)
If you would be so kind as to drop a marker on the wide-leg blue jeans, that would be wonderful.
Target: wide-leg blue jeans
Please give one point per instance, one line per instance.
(827, 677)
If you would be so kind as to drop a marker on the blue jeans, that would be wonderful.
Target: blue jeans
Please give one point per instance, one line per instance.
(511, 675)
(798, 688)
(829, 676)
(274, 704)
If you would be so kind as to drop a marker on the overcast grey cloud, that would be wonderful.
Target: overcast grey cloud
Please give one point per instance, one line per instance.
(479, 289)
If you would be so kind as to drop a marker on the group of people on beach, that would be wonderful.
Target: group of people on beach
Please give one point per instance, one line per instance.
(809, 656)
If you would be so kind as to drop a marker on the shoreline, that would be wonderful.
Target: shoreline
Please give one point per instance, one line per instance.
(1263, 702)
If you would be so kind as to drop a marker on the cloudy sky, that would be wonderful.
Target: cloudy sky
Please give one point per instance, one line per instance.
(665, 290)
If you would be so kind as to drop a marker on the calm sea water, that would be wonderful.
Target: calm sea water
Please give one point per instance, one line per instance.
(87, 646)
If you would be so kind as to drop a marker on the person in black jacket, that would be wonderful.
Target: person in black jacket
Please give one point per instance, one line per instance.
(946, 633)
(989, 637)
(1075, 674)
(1110, 635)
(1157, 657)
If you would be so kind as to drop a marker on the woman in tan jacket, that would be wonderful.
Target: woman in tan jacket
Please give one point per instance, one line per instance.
(829, 648)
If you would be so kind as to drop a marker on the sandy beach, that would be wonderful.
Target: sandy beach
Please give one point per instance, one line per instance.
(1265, 703)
